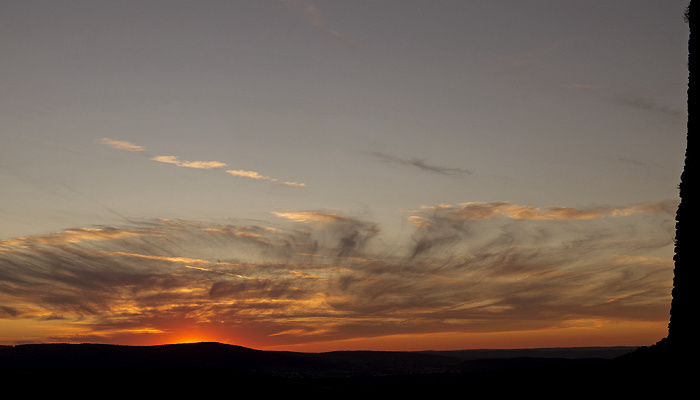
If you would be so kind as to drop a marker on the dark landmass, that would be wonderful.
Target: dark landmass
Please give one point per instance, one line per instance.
(208, 368)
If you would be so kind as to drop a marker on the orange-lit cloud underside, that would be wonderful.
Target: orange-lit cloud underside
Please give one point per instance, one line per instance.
(323, 281)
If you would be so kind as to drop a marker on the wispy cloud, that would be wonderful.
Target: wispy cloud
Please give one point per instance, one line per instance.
(441, 226)
(326, 276)
(175, 160)
(189, 164)
(585, 86)
(645, 104)
(255, 175)
(347, 236)
(634, 101)
(420, 164)
(312, 216)
(308, 9)
(69, 236)
(123, 145)
(482, 211)
(314, 17)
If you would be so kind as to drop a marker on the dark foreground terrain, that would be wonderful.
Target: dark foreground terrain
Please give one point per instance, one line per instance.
(219, 369)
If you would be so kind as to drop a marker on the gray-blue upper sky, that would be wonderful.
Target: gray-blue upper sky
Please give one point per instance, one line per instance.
(120, 111)
(543, 103)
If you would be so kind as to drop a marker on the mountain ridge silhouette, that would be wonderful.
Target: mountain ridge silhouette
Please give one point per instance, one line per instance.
(193, 367)
(221, 355)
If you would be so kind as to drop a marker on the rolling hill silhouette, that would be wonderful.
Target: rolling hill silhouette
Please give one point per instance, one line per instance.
(201, 367)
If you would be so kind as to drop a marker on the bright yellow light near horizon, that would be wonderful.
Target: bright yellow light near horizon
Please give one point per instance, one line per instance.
(192, 339)
(198, 334)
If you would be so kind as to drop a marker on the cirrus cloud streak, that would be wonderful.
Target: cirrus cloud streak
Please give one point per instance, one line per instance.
(175, 160)
(189, 164)
(255, 175)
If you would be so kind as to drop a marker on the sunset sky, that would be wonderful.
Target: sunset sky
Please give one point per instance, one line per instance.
(314, 175)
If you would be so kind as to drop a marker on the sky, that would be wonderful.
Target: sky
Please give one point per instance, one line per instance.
(316, 175)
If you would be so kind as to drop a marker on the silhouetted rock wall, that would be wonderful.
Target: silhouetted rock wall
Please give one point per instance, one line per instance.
(688, 215)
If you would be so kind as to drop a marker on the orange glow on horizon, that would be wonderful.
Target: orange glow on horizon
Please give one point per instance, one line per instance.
(181, 336)
(582, 334)
(628, 333)
(612, 334)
